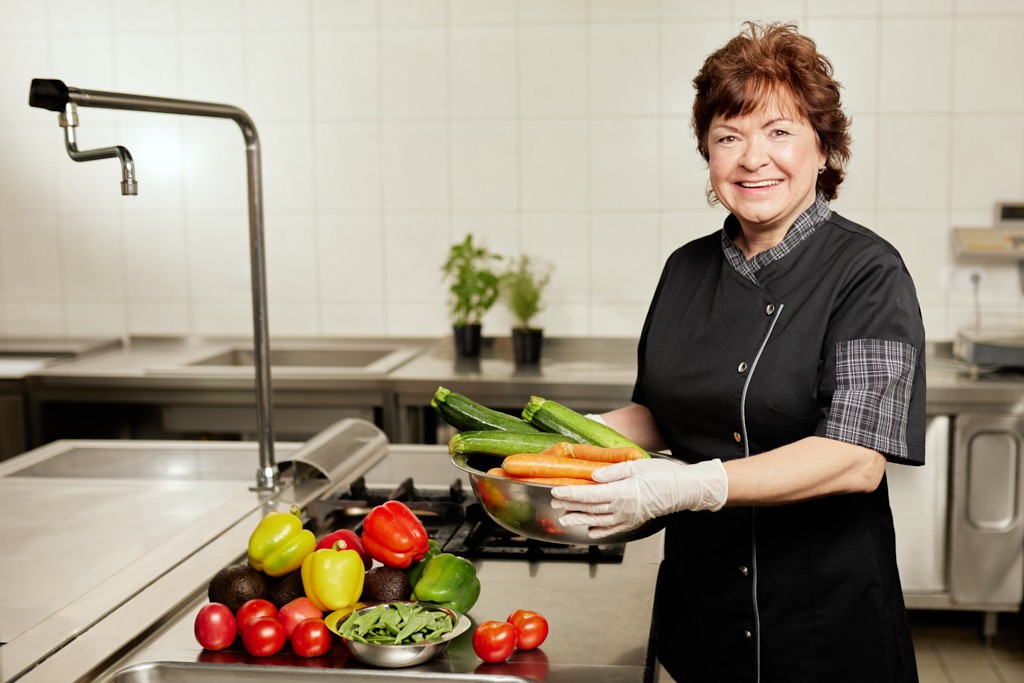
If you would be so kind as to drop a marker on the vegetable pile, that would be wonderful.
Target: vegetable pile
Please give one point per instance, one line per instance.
(295, 589)
(551, 444)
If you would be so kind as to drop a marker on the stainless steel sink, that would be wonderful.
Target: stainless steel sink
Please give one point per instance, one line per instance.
(181, 672)
(353, 358)
(292, 358)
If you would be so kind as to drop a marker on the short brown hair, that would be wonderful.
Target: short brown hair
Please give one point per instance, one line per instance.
(766, 60)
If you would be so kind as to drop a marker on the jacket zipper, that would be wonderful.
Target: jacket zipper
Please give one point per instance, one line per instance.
(753, 509)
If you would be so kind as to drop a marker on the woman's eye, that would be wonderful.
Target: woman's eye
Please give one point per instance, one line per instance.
(726, 139)
(779, 133)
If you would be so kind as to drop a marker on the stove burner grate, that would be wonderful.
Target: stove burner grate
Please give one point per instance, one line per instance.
(458, 523)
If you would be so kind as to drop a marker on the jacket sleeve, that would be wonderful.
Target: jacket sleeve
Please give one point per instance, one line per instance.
(873, 372)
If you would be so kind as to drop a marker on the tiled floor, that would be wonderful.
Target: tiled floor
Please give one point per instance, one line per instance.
(950, 649)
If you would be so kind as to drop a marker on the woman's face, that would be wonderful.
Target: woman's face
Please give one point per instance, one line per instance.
(764, 165)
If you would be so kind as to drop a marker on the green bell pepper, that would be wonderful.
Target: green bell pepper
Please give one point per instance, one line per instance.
(415, 570)
(449, 581)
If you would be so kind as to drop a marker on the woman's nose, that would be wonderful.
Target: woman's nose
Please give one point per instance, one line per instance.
(753, 156)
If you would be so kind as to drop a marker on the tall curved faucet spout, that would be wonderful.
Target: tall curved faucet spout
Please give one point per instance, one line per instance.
(54, 95)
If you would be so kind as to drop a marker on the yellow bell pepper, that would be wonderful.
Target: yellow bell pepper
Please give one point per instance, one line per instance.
(279, 544)
(333, 579)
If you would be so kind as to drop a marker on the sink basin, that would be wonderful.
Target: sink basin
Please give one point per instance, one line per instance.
(355, 358)
(293, 358)
(183, 672)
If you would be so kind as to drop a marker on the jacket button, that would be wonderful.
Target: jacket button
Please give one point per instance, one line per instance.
(741, 368)
(743, 570)
(747, 634)
(769, 309)
(736, 436)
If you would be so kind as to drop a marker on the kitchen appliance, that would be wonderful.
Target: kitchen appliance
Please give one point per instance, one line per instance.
(987, 346)
(991, 349)
(1003, 241)
(441, 497)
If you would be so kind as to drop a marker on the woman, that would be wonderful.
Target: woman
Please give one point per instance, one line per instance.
(783, 358)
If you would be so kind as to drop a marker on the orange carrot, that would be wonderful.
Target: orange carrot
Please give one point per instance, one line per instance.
(537, 465)
(549, 481)
(586, 451)
(562, 448)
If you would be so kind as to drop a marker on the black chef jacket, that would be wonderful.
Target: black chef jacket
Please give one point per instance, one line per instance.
(828, 341)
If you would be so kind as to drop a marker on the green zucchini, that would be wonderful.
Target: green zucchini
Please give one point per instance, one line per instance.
(549, 416)
(501, 442)
(465, 414)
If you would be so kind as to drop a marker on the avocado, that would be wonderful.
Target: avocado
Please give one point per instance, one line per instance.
(284, 589)
(235, 584)
(385, 584)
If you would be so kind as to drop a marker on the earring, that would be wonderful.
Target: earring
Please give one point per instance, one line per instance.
(822, 169)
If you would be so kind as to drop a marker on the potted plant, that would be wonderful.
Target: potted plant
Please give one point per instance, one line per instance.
(522, 288)
(473, 290)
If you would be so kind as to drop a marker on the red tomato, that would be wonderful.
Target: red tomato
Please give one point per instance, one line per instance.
(264, 636)
(311, 638)
(346, 539)
(254, 609)
(296, 612)
(531, 628)
(494, 641)
(215, 626)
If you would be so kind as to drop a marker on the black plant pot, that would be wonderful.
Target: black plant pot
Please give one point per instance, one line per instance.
(467, 340)
(526, 345)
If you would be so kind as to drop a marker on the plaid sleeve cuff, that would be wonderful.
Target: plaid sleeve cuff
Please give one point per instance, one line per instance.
(874, 379)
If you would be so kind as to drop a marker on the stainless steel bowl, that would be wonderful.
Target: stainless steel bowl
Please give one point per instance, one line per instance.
(525, 509)
(395, 656)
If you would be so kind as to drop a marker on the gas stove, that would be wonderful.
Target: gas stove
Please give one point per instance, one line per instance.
(452, 517)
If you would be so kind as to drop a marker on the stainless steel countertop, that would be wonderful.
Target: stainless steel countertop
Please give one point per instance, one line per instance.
(600, 373)
(597, 371)
(169, 362)
(112, 560)
(24, 356)
(599, 616)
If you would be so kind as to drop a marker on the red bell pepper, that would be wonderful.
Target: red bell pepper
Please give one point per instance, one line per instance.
(393, 535)
(345, 539)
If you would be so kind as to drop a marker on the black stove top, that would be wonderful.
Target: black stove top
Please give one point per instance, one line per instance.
(455, 520)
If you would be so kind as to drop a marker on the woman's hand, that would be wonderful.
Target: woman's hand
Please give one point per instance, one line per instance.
(631, 493)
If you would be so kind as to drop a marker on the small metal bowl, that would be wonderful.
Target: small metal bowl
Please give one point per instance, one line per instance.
(396, 656)
(525, 509)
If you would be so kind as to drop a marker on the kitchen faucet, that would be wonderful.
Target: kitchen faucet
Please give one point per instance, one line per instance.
(54, 95)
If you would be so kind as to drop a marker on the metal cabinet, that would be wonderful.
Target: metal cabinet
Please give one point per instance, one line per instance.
(918, 497)
(987, 511)
(960, 518)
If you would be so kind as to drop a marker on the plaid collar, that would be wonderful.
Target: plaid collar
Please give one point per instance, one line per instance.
(805, 224)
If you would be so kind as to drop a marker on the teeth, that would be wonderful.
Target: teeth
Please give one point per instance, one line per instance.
(763, 183)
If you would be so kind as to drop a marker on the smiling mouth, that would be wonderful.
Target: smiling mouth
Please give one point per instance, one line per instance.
(760, 183)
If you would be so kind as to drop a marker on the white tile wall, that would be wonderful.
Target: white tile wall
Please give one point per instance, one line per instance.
(390, 128)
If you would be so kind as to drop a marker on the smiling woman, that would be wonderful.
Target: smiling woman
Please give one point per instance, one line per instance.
(781, 364)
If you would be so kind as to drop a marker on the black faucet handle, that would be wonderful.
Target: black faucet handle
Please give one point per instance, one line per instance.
(48, 93)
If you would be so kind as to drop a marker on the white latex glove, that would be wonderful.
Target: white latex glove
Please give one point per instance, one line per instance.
(636, 491)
